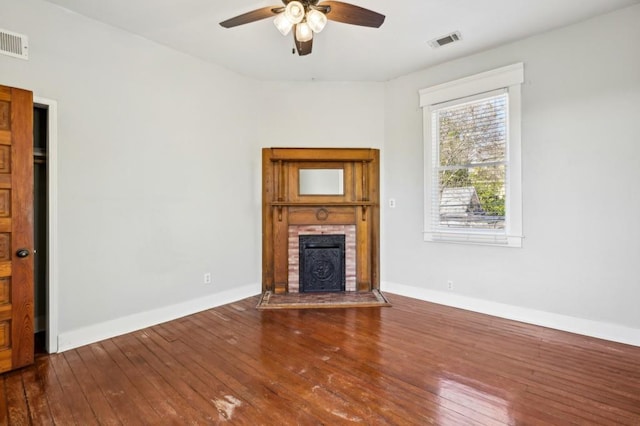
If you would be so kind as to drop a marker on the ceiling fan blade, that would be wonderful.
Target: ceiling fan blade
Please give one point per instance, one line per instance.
(245, 18)
(351, 14)
(303, 47)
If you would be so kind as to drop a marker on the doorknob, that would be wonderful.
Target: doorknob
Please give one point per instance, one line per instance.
(22, 253)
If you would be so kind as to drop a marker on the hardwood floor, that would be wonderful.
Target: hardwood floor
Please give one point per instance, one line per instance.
(414, 363)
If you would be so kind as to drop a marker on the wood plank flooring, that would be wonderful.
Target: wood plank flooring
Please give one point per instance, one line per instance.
(415, 363)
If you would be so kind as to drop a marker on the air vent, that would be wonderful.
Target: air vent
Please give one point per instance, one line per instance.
(13, 44)
(449, 38)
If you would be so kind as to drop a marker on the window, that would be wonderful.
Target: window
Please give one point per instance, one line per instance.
(472, 159)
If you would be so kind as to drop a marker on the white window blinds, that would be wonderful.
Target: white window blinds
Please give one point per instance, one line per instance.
(469, 182)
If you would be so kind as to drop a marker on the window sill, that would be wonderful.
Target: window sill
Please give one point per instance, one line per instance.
(474, 238)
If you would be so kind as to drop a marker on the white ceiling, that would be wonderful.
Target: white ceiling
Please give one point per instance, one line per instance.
(341, 52)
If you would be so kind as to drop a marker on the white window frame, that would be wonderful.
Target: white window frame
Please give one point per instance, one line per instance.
(509, 78)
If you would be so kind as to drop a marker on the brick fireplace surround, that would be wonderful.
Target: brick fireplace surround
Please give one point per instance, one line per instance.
(349, 231)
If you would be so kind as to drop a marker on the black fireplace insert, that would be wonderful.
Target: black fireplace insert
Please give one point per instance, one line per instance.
(322, 263)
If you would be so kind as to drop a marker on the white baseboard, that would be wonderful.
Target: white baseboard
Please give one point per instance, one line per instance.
(106, 330)
(585, 327)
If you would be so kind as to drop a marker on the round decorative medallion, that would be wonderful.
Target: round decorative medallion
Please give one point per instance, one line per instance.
(322, 214)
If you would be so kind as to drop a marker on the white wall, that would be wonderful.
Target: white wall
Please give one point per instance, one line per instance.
(154, 153)
(322, 114)
(580, 172)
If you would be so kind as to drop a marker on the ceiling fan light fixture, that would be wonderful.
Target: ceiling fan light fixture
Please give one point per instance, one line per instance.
(309, 17)
(294, 12)
(303, 32)
(283, 24)
(316, 20)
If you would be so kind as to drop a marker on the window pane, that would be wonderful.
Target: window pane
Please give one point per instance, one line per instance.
(473, 132)
(472, 197)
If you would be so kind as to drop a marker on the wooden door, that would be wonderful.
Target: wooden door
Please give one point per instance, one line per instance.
(16, 228)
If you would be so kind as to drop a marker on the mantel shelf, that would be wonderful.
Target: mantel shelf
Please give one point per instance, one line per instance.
(322, 204)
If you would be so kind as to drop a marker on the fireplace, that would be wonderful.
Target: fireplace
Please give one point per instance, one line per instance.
(347, 233)
(347, 207)
(322, 263)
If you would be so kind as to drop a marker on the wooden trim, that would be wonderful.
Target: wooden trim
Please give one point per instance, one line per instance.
(320, 154)
(321, 204)
(268, 186)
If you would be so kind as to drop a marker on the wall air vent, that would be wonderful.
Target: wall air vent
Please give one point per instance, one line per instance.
(449, 38)
(14, 44)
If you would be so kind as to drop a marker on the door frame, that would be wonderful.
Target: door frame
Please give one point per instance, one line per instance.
(52, 213)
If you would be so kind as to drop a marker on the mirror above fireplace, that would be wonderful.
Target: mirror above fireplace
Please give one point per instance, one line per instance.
(321, 181)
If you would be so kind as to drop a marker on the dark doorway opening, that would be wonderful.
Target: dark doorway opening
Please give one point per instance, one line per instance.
(40, 224)
(322, 263)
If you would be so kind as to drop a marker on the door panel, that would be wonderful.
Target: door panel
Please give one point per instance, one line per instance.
(16, 228)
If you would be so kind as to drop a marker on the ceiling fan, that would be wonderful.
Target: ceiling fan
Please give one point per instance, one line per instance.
(307, 17)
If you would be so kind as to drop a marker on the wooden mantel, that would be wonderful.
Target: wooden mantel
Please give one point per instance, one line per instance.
(283, 206)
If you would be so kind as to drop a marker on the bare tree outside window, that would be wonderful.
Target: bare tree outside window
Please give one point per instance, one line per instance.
(471, 164)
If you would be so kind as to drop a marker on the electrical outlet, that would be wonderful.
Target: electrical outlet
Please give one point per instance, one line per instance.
(392, 203)
(450, 285)
(207, 278)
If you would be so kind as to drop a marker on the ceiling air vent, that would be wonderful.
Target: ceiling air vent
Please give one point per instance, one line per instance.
(14, 44)
(449, 38)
